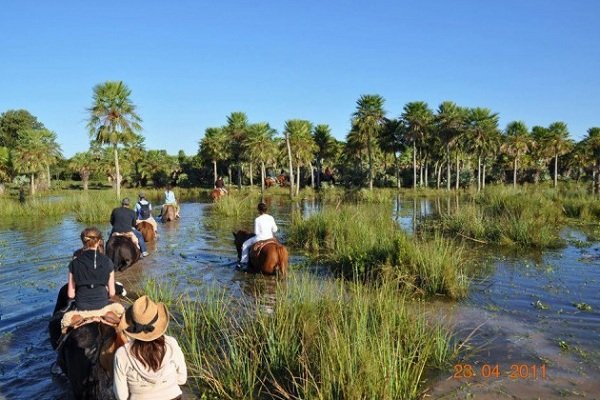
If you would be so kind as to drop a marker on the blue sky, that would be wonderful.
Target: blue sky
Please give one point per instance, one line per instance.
(191, 63)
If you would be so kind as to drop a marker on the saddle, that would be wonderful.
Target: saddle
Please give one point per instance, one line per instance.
(258, 246)
(108, 315)
(130, 235)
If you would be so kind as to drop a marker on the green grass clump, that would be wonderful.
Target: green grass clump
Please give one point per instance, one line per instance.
(322, 340)
(366, 242)
(237, 204)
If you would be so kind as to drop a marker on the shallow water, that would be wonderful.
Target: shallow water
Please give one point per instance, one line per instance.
(511, 326)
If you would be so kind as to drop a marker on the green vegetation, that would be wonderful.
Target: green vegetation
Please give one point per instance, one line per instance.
(322, 340)
(366, 242)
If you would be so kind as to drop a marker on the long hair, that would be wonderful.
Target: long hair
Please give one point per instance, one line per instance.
(150, 354)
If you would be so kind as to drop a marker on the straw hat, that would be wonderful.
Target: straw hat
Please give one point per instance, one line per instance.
(145, 320)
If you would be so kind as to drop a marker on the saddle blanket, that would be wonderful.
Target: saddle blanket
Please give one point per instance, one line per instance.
(110, 315)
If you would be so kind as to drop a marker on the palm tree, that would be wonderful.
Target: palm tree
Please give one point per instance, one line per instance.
(391, 140)
(83, 164)
(261, 147)
(53, 151)
(450, 121)
(325, 147)
(237, 129)
(214, 147)
(557, 141)
(369, 119)
(592, 145)
(516, 143)
(483, 129)
(113, 119)
(418, 120)
(302, 145)
(31, 152)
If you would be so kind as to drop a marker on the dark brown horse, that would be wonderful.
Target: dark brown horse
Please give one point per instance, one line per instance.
(169, 212)
(269, 258)
(147, 231)
(216, 194)
(122, 251)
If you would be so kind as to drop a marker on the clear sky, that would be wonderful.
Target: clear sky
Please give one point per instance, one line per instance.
(191, 63)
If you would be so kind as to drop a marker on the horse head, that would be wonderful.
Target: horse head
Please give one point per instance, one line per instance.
(239, 238)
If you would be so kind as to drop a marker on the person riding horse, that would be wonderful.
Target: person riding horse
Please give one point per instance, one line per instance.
(143, 210)
(220, 184)
(123, 220)
(170, 201)
(264, 228)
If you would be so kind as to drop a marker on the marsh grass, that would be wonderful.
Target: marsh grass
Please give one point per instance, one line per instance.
(365, 242)
(322, 340)
(238, 204)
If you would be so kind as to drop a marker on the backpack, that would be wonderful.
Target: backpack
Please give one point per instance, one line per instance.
(144, 210)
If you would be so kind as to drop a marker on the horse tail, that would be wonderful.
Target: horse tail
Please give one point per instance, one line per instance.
(282, 261)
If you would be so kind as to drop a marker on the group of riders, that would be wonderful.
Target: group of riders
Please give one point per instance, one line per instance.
(144, 362)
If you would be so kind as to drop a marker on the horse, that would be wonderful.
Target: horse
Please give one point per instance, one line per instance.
(147, 231)
(80, 353)
(216, 194)
(270, 181)
(169, 212)
(270, 259)
(122, 251)
(282, 180)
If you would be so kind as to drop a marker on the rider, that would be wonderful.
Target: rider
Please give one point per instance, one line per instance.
(264, 228)
(170, 200)
(123, 220)
(143, 210)
(91, 279)
(220, 184)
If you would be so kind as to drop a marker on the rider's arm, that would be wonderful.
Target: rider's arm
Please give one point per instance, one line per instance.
(71, 286)
(274, 227)
(111, 284)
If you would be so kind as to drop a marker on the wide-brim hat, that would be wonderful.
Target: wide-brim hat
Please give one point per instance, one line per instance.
(145, 320)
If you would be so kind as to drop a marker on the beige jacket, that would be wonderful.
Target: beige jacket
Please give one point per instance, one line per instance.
(132, 381)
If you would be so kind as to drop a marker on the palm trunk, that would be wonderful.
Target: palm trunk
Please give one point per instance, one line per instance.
(85, 177)
(215, 170)
(229, 173)
(457, 172)
(32, 184)
(397, 167)
(312, 175)
(289, 151)
(555, 169)
(479, 173)
(439, 176)
(262, 176)
(239, 177)
(319, 172)
(448, 165)
(370, 163)
(118, 180)
(414, 165)
(49, 177)
(421, 168)
(251, 178)
(483, 178)
(426, 171)
(515, 174)
(297, 178)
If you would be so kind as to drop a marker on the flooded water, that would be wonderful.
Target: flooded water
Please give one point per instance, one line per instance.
(523, 311)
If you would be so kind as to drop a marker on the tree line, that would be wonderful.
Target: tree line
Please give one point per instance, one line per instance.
(449, 147)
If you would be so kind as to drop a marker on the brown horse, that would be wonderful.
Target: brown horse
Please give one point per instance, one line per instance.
(147, 231)
(282, 180)
(269, 181)
(216, 194)
(269, 257)
(169, 212)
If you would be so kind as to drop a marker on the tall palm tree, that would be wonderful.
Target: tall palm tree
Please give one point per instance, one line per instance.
(113, 119)
(261, 146)
(592, 145)
(557, 141)
(83, 163)
(214, 147)
(450, 121)
(483, 128)
(31, 152)
(369, 119)
(302, 145)
(53, 151)
(237, 129)
(325, 147)
(418, 120)
(516, 143)
(391, 140)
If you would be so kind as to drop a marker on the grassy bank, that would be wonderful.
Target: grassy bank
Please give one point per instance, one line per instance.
(366, 242)
(323, 340)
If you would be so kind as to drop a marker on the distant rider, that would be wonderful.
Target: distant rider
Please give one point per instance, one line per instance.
(220, 184)
(123, 220)
(170, 200)
(264, 228)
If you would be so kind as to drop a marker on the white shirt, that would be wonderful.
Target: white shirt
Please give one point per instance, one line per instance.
(170, 197)
(264, 227)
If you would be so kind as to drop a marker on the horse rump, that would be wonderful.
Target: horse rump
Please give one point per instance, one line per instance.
(122, 251)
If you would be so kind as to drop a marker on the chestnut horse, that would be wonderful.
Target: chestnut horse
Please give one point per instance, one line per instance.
(269, 181)
(272, 258)
(169, 213)
(122, 251)
(216, 194)
(147, 231)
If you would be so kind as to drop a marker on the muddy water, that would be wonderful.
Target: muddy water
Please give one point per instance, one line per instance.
(519, 312)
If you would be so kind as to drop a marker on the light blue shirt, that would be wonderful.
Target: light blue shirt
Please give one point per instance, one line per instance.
(170, 197)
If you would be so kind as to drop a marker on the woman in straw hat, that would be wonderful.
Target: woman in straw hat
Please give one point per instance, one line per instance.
(151, 365)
